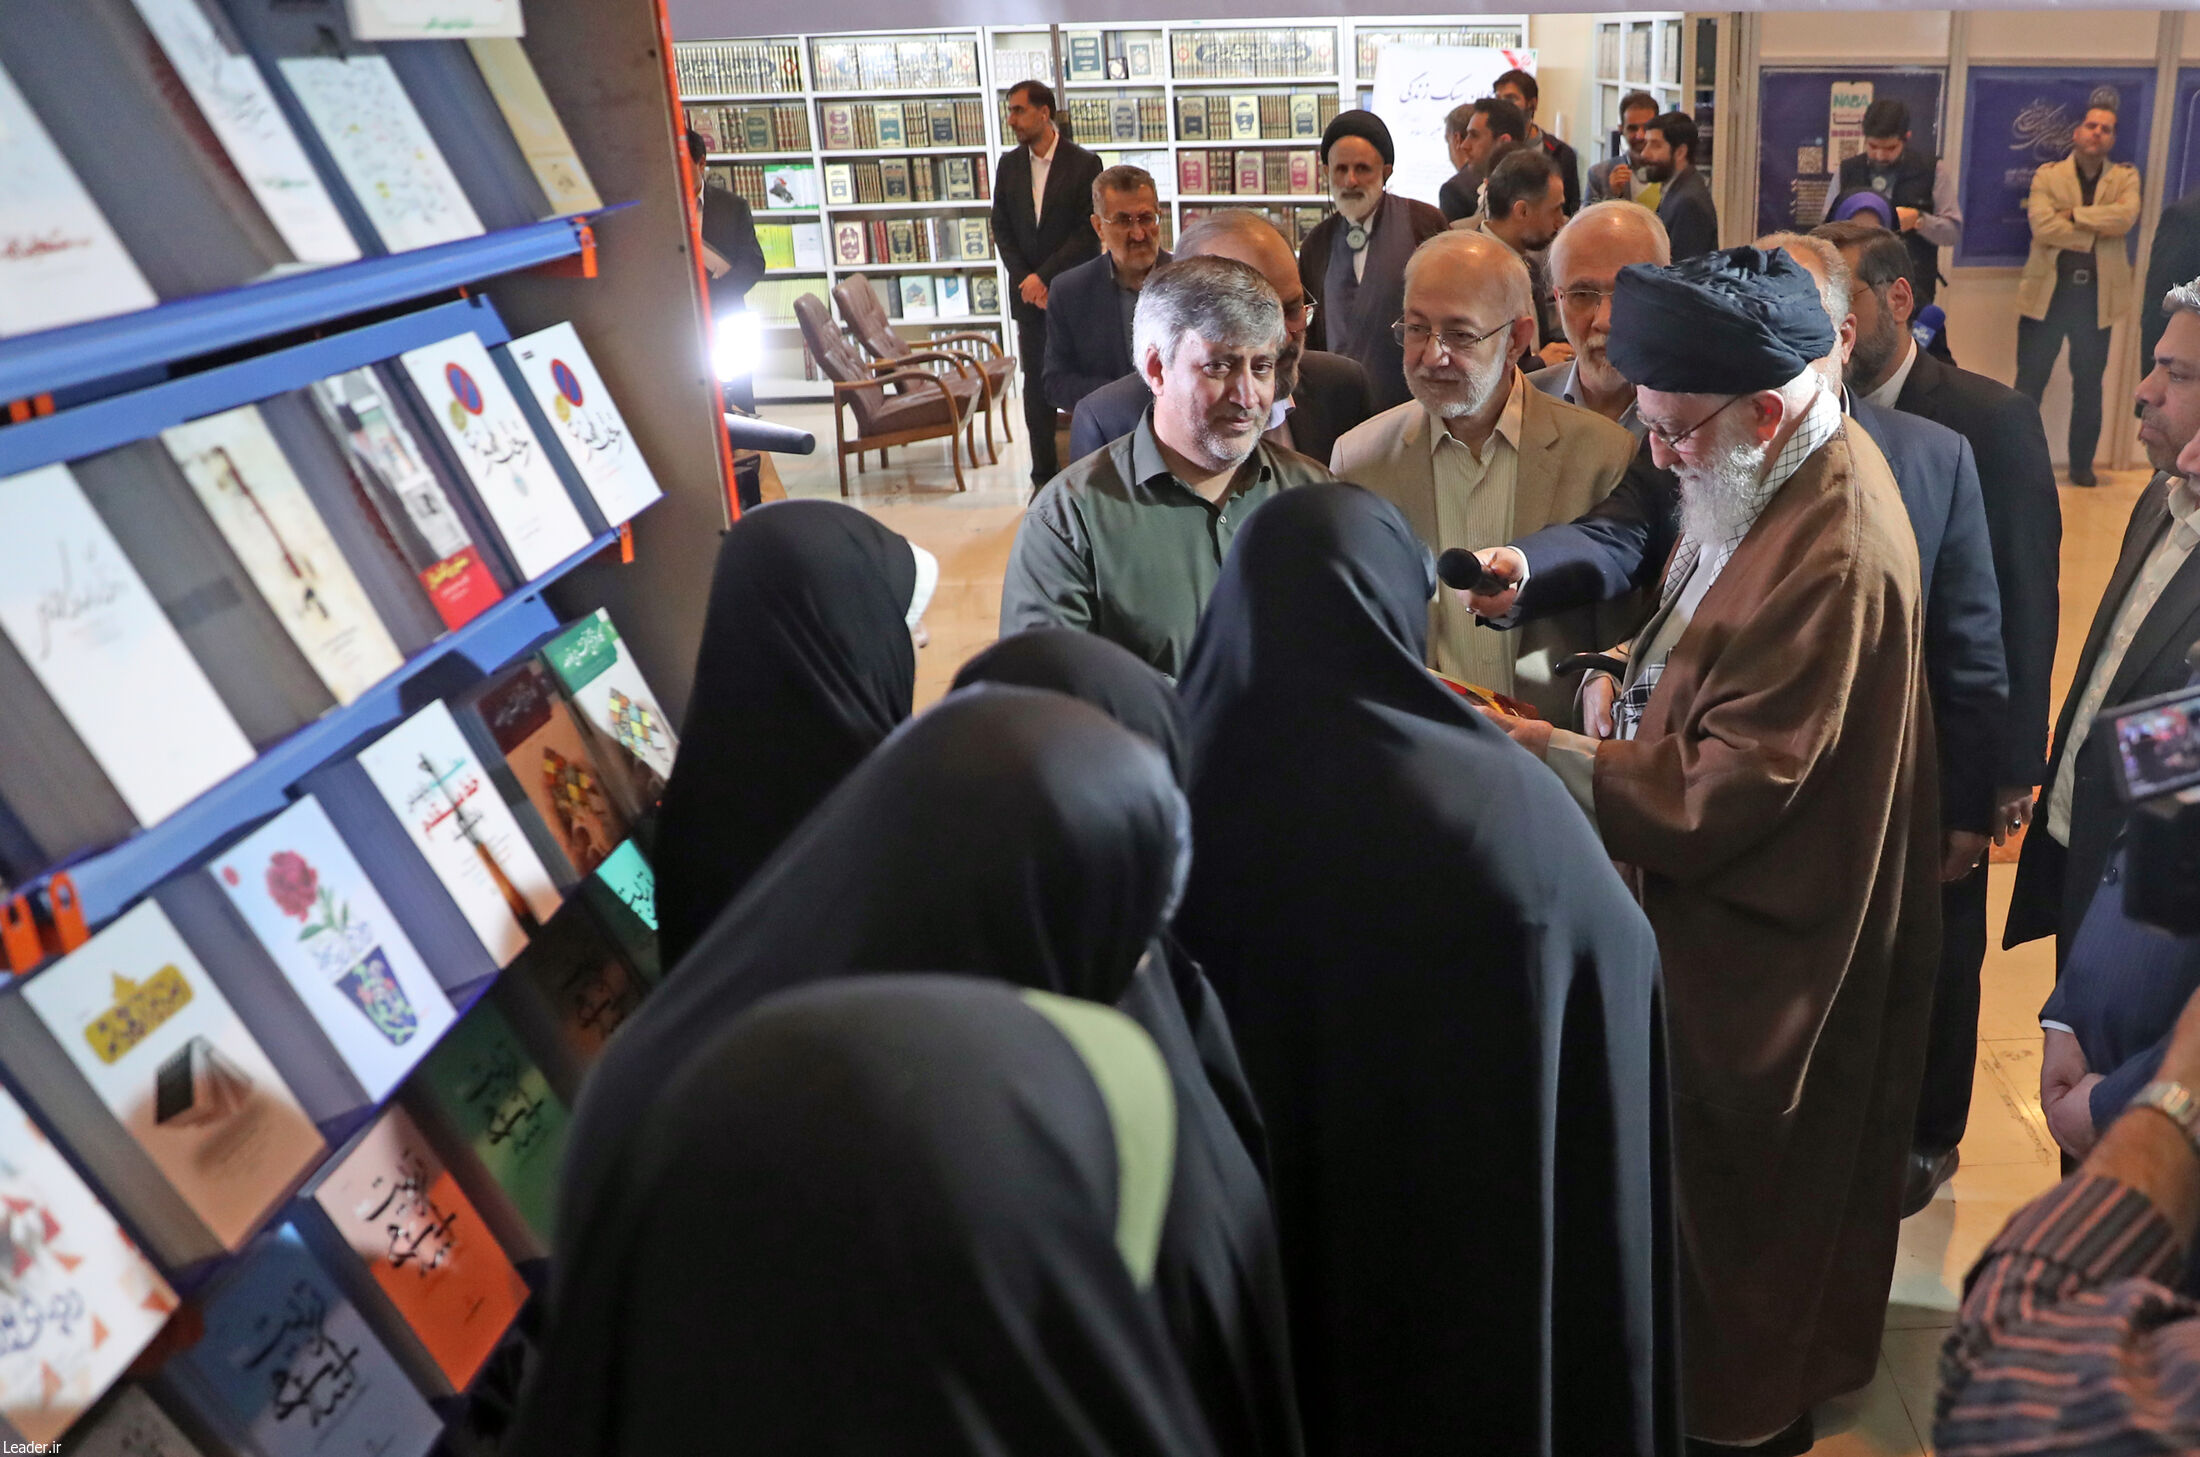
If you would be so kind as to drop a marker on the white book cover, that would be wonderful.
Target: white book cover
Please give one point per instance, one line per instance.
(133, 1425)
(60, 261)
(80, 615)
(565, 383)
(535, 125)
(238, 104)
(245, 482)
(954, 300)
(433, 19)
(481, 418)
(383, 148)
(432, 781)
(328, 930)
(161, 1046)
(809, 244)
(77, 1300)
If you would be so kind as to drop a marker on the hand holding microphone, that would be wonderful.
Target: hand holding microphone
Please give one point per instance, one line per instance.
(1487, 580)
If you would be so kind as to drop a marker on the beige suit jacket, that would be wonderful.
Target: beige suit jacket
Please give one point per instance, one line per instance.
(1569, 459)
(2099, 229)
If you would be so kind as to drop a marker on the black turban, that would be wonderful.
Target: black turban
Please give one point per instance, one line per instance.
(1363, 124)
(1726, 323)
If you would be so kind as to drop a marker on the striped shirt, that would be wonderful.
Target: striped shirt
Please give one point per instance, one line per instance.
(2070, 1338)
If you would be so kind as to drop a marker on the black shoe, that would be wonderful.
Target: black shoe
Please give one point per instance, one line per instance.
(1792, 1440)
(2083, 477)
(1923, 1174)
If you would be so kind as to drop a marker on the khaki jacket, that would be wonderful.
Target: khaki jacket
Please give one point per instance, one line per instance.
(2099, 228)
(1569, 459)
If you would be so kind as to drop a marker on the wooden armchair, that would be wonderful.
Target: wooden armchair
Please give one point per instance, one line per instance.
(865, 315)
(930, 408)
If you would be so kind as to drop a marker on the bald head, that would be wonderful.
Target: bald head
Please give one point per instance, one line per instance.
(1459, 272)
(1824, 263)
(1605, 237)
(1251, 239)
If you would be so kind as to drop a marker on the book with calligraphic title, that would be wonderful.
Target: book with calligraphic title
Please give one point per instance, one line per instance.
(388, 1200)
(433, 528)
(325, 926)
(555, 367)
(77, 1300)
(60, 260)
(568, 993)
(392, 166)
(130, 1423)
(248, 487)
(534, 122)
(130, 1029)
(460, 388)
(518, 717)
(289, 1366)
(622, 895)
(487, 1103)
(600, 676)
(81, 761)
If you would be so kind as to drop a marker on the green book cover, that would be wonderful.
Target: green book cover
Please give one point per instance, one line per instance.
(777, 241)
(491, 1091)
(623, 893)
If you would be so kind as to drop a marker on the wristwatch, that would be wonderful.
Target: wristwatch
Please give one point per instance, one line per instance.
(2175, 1102)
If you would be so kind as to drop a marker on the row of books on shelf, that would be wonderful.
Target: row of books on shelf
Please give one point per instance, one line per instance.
(1273, 172)
(772, 300)
(767, 187)
(248, 571)
(914, 240)
(908, 179)
(1111, 55)
(792, 245)
(1367, 43)
(323, 1077)
(413, 143)
(924, 297)
(1096, 120)
(1233, 55)
(1292, 221)
(779, 126)
(738, 68)
(1274, 116)
(888, 64)
(872, 125)
(1013, 65)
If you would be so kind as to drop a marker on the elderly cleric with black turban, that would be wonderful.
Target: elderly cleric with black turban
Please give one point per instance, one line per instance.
(1768, 785)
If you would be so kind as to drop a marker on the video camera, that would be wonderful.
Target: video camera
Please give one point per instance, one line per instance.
(2156, 751)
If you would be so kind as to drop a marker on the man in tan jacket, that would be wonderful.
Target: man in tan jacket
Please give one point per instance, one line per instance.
(1478, 451)
(2077, 281)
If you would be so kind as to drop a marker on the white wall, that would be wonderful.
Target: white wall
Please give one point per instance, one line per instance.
(1565, 58)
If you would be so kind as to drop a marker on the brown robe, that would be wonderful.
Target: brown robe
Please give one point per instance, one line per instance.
(1775, 810)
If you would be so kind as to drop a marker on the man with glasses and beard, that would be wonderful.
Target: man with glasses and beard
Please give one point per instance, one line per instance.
(1127, 543)
(1768, 790)
(1089, 307)
(1319, 395)
(1477, 451)
(1585, 260)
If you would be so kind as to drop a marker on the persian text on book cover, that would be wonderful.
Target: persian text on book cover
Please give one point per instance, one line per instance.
(515, 479)
(165, 1052)
(431, 781)
(546, 750)
(457, 578)
(244, 481)
(401, 1212)
(383, 149)
(82, 618)
(535, 125)
(77, 1300)
(565, 383)
(326, 927)
(296, 1365)
(60, 261)
(607, 687)
(500, 1102)
(237, 103)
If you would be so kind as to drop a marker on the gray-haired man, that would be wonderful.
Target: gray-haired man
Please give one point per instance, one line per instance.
(1089, 307)
(1128, 542)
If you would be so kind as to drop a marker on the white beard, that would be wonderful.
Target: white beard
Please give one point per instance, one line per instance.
(1478, 391)
(1358, 210)
(1720, 500)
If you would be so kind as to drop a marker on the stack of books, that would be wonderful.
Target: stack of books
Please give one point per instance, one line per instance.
(738, 67)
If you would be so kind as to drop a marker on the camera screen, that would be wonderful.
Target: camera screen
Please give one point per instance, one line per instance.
(2160, 746)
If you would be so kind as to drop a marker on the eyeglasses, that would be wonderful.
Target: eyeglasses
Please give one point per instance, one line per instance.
(1581, 296)
(1455, 341)
(1302, 310)
(1129, 220)
(1672, 442)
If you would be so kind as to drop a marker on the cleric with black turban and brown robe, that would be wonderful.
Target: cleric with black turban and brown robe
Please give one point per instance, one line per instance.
(1767, 783)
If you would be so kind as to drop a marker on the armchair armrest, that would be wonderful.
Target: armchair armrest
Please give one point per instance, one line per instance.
(968, 336)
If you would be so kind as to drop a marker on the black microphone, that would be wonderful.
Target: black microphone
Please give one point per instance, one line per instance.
(746, 432)
(1462, 569)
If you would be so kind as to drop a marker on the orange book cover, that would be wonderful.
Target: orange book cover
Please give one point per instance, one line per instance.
(399, 1210)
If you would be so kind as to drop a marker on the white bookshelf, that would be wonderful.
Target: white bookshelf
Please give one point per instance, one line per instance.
(1635, 51)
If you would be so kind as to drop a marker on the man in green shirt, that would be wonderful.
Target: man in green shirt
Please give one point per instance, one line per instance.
(1128, 541)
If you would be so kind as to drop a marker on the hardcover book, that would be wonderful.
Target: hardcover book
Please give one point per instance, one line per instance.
(848, 247)
(587, 421)
(1306, 120)
(809, 244)
(917, 302)
(790, 186)
(1191, 170)
(943, 125)
(394, 1205)
(962, 179)
(901, 240)
(840, 184)
(383, 149)
(1084, 56)
(140, 1019)
(891, 132)
(1249, 177)
(131, 1425)
(623, 893)
(326, 928)
(952, 299)
(1123, 119)
(482, 421)
(977, 239)
(429, 777)
(597, 673)
(840, 125)
(985, 294)
(574, 989)
(1191, 118)
(894, 179)
(247, 486)
(534, 122)
(60, 261)
(482, 1082)
(554, 761)
(77, 1300)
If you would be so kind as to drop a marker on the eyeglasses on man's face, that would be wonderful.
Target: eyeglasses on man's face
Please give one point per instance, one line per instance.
(1414, 338)
(1585, 296)
(1671, 441)
(1300, 311)
(1126, 221)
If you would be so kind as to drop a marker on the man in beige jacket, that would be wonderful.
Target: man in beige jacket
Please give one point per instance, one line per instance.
(1477, 451)
(2077, 281)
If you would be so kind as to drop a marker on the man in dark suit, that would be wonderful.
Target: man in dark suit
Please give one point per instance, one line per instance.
(1474, 131)
(1041, 233)
(1089, 307)
(2176, 257)
(1684, 205)
(2136, 648)
(1520, 89)
(1319, 396)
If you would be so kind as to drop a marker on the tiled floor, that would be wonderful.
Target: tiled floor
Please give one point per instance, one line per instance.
(2007, 1155)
